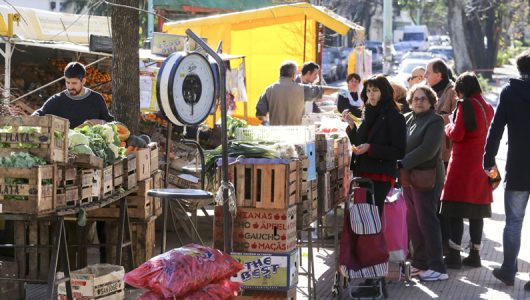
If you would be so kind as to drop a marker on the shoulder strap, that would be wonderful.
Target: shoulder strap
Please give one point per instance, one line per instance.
(483, 112)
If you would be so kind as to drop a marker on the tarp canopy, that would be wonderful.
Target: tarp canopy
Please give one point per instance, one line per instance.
(266, 37)
(233, 5)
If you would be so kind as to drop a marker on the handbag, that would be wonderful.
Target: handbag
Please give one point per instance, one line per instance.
(495, 177)
(364, 216)
(420, 180)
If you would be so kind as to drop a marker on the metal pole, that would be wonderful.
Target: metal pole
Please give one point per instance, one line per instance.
(387, 33)
(227, 220)
(7, 75)
(150, 18)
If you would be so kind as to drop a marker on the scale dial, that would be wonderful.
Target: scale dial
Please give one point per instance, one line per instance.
(186, 88)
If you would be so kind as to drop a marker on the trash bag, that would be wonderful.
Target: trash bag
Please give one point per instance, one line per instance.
(221, 290)
(181, 270)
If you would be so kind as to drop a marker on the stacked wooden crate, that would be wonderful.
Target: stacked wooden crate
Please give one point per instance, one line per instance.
(264, 228)
(306, 206)
(139, 169)
(32, 190)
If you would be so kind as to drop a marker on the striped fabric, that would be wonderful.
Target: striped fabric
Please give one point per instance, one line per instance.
(380, 270)
(365, 218)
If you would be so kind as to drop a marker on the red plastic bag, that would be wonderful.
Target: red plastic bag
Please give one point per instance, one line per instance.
(222, 290)
(182, 270)
(395, 226)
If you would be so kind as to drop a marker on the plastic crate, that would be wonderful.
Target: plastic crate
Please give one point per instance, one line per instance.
(287, 134)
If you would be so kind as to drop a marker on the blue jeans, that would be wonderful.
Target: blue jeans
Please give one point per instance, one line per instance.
(514, 207)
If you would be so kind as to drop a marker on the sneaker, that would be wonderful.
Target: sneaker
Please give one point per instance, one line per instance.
(497, 273)
(415, 272)
(431, 275)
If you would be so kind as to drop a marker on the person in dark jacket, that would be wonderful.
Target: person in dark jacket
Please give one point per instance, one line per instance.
(77, 103)
(512, 111)
(425, 129)
(377, 144)
(380, 140)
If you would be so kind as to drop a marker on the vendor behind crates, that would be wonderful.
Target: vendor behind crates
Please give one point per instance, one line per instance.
(77, 103)
(284, 100)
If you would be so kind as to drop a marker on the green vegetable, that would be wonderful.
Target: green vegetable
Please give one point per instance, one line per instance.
(77, 138)
(235, 149)
(21, 160)
(232, 124)
(82, 149)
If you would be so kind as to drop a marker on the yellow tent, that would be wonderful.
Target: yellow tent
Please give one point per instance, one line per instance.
(266, 37)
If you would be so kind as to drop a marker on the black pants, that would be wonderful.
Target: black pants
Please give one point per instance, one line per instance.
(381, 189)
(475, 230)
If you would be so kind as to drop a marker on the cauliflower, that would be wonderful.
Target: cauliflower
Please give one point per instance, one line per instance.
(76, 138)
(82, 149)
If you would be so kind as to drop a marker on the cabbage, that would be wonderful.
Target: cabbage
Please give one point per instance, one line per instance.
(76, 138)
(82, 149)
(115, 150)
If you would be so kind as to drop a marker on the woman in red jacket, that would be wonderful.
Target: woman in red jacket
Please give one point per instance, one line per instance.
(467, 192)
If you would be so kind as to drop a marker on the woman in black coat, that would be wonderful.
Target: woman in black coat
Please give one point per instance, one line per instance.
(380, 140)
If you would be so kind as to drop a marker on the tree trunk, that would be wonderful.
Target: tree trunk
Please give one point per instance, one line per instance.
(456, 27)
(125, 70)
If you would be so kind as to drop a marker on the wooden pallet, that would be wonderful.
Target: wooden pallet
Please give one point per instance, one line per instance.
(32, 262)
(51, 143)
(11, 289)
(35, 196)
(143, 240)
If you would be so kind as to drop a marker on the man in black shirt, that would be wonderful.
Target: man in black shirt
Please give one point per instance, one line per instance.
(77, 103)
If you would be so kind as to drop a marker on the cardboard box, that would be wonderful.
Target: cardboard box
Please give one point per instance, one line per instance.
(99, 281)
(259, 230)
(267, 271)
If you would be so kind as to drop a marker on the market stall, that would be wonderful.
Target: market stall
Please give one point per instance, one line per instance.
(287, 32)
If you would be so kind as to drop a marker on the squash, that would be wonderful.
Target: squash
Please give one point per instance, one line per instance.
(123, 131)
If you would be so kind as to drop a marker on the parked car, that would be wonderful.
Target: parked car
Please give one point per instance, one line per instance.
(332, 68)
(439, 40)
(406, 67)
(445, 52)
(417, 55)
(399, 49)
(377, 53)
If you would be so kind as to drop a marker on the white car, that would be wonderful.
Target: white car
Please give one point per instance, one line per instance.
(406, 67)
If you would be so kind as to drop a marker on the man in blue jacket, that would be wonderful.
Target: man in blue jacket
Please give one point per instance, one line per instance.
(513, 110)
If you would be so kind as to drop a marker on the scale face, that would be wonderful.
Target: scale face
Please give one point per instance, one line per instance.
(187, 88)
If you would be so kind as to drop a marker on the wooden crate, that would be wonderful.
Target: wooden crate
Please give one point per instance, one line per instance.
(143, 240)
(143, 163)
(129, 172)
(154, 164)
(157, 184)
(66, 176)
(35, 196)
(268, 295)
(107, 182)
(86, 180)
(117, 173)
(243, 184)
(275, 185)
(33, 262)
(11, 289)
(140, 205)
(304, 185)
(51, 143)
(67, 197)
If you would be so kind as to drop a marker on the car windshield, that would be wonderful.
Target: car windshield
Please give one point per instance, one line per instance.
(407, 67)
(446, 52)
(413, 36)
